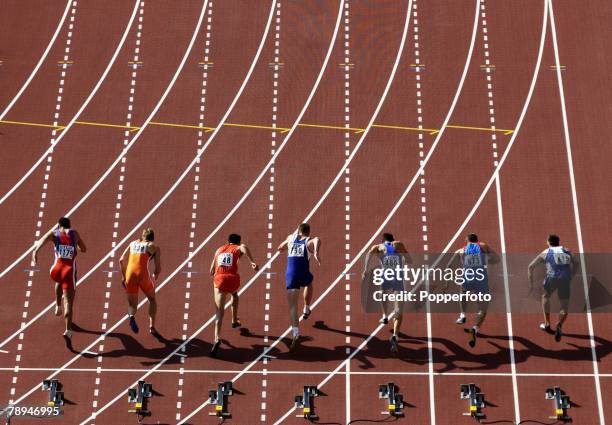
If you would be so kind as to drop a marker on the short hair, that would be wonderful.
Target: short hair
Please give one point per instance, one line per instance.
(472, 237)
(148, 234)
(553, 240)
(387, 237)
(234, 239)
(64, 222)
(304, 229)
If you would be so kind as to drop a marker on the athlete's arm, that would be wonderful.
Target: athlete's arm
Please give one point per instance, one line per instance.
(283, 246)
(539, 259)
(80, 243)
(492, 256)
(212, 264)
(401, 248)
(574, 264)
(49, 237)
(374, 249)
(157, 260)
(246, 251)
(314, 245)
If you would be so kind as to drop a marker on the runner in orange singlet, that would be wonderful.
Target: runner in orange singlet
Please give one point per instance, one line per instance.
(224, 269)
(64, 270)
(135, 262)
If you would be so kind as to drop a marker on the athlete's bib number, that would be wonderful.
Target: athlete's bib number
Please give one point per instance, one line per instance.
(65, 252)
(391, 261)
(225, 259)
(562, 258)
(472, 260)
(139, 248)
(296, 250)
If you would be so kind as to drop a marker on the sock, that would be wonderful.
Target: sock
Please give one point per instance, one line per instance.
(462, 315)
(295, 330)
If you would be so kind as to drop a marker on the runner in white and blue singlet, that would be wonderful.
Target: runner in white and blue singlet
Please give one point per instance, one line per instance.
(560, 265)
(474, 257)
(299, 246)
(393, 254)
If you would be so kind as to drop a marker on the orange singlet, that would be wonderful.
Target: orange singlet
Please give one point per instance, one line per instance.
(227, 278)
(137, 270)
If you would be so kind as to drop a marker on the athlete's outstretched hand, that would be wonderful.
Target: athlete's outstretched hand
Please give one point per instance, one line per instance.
(254, 266)
(317, 259)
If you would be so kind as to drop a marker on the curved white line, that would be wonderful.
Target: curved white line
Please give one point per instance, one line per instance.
(78, 114)
(40, 62)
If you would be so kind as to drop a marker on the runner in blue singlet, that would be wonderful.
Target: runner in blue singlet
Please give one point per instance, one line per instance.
(299, 246)
(560, 265)
(392, 254)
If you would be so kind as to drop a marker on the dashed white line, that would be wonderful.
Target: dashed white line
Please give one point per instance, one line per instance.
(118, 196)
(194, 205)
(270, 217)
(43, 196)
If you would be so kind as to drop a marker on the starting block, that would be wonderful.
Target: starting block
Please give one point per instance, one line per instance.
(56, 395)
(395, 401)
(140, 397)
(219, 399)
(305, 402)
(562, 403)
(472, 393)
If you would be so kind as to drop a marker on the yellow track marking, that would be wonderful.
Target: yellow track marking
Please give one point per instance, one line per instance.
(398, 127)
(169, 124)
(101, 124)
(32, 124)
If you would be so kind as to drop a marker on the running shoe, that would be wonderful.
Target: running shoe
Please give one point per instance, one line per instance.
(236, 324)
(383, 320)
(546, 327)
(460, 320)
(294, 343)
(306, 315)
(558, 333)
(394, 347)
(133, 325)
(68, 334)
(472, 341)
(214, 351)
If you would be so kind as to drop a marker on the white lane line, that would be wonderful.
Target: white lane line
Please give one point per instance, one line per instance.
(175, 184)
(43, 194)
(194, 205)
(118, 200)
(270, 218)
(500, 211)
(73, 120)
(570, 163)
(182, 371)
(347, 204)
(25, 85)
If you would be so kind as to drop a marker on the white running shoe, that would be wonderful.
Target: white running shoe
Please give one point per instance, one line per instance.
(460, 320)
(68, 334)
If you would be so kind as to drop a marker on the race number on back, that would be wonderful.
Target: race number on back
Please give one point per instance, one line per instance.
(296, 250)
(225, 259)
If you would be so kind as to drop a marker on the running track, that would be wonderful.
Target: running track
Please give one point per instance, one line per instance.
(433, 355)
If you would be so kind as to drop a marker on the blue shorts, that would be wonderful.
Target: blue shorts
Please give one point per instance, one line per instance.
(298, 281)
(476, 286)
(392, 285)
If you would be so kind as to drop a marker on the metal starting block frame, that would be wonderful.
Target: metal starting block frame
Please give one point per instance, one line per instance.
(140, 397)
(477, 401)
(219, 399)
(395, 401)
(562, 403)
(56, 395)
(305, 402)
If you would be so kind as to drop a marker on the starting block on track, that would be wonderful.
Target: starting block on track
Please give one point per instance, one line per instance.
(395, 401)
(562, 403)
(305, 402)
(139, 396)
(219, 399)
(56, 395)
(472, 393)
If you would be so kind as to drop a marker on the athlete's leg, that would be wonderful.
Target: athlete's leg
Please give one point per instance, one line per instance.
(292, 299)
(132, 300)
(235, 303)
(220, 298)
(59, 293)
(152, 307)
(308, 291)
(397, 322)
(546, 307)
(68, 295)
(563, 311)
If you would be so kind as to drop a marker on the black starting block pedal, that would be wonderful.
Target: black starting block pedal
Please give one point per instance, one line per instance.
(562, 403)
(395, 401)
(139, 396)
(305, 402)
(219, 399)
(56, 395)
(477, 402)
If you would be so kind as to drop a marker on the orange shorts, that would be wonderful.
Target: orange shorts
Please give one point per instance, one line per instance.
(133, 282)
(227, 283)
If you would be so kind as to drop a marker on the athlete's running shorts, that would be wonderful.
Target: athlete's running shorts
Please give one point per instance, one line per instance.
(65, 275)
(562, 286)
(227, 283)
(133, 282)
(295, 281)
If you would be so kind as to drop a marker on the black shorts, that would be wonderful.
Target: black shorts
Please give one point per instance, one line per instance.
(562, 286)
